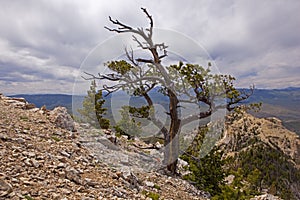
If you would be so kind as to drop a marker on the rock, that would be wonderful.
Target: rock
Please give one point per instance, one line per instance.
(66, 191)
(275, 120)
(182, 167)
(108, 144)
(31, 154)
(73, 175)
(60, 165)
(34, 109)
(20, 140)
(16, 104)
(125, 137)
(60, 117)
(131, 178)
(159, 145)
(19, 103)
(35, 163)
(149, 184)
(64, 153)
(43, 108)
(107, 131)
(19, 99)
(3, 137)
(229, 179)
(90, 182)
(85, 125)
(266, 197)
(119, 174)
(27, 162)
(113, 139)
(5, 188)
(29, 106)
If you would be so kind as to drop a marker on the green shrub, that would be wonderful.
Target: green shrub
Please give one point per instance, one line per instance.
(153, 196)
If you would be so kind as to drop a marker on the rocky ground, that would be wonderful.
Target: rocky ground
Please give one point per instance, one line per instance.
(44, 155)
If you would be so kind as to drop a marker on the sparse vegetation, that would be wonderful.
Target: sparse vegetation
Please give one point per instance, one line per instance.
(128, 125)
(153, 195)
(27, 197)
(24, 118)
(55, 138)
(93, 111)
(263, 167)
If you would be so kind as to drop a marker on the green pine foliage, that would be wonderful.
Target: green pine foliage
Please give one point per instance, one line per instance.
(260, 167)
(265, 167)
(128, 124)
(93, 110)
(206, 172)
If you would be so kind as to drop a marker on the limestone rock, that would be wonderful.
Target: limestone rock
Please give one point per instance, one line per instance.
(5, 188)
(60, 117)
(266, 197)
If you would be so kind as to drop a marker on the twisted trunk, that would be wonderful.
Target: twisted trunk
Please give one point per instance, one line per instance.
(172, 141)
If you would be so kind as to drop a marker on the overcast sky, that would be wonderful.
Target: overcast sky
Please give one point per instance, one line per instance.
(43, 43)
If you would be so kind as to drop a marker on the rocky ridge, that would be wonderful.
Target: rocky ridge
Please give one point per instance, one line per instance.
(44, 155)
(248, 135)
(240, 135)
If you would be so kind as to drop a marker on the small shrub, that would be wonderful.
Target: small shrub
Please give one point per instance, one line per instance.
(157, 187)
(57, 139)
(153, 195)
(24, 118)
(28, 197)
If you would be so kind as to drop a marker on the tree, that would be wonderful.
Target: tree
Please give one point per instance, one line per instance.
(93, 110)
(127, 124)
(181, 83)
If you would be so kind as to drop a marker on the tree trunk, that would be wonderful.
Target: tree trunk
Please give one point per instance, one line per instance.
(172, 140)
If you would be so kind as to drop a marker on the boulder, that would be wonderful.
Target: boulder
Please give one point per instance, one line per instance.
(266, 197)
(61, 118)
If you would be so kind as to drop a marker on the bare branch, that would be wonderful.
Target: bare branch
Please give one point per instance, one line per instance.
(151, 22)
(144, 60)
(139, 43)
(130, 57)
(122, 27)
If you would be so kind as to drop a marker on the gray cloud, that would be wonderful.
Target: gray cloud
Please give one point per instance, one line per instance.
(43, 43)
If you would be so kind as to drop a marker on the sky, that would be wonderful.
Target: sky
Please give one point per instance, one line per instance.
(44, 43)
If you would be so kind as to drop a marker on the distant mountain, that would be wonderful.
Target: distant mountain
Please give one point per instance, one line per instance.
(280, 103)
(49, 100)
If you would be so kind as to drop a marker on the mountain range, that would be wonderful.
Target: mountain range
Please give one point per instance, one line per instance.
(279, 103)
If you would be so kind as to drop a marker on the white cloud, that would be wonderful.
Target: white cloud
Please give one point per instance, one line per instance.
(43, 43)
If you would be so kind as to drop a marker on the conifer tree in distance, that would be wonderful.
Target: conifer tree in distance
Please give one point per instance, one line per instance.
(92, 108)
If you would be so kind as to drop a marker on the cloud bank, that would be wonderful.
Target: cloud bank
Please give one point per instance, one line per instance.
(43, 43)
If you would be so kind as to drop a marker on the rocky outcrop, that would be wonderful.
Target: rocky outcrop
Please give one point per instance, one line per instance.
(61, 118)
(266, 197)
(243, 132)
(17, 102)
(263, 144)
(39, 159)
